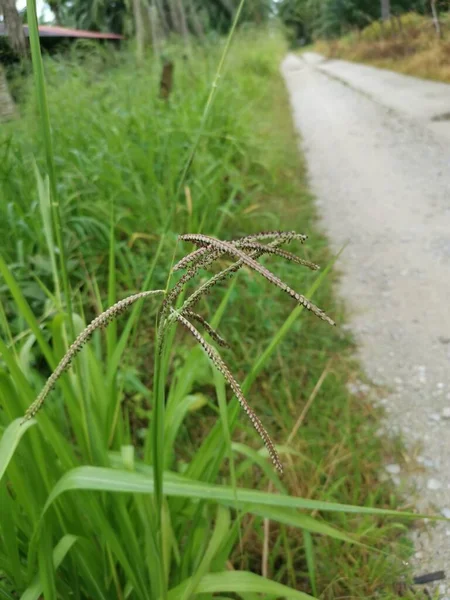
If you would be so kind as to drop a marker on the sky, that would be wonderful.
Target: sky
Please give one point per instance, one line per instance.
(41, 8)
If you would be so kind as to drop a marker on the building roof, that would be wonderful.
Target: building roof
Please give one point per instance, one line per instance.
(63, 32)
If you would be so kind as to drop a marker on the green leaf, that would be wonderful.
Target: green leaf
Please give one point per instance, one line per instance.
(23, 308)
(103, 479)
(240, 582)
(220, 531)
(34, 591)
(310, 560)
(43, 186)
(10, 440)
(300, 520)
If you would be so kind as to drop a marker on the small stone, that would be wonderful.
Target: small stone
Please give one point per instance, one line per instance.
(393, 469)
(434, 417)
(418, 555)
(446, 412)
(434, 484)
(426, 462)
(442, 588)
(445, 512)
(440, 386)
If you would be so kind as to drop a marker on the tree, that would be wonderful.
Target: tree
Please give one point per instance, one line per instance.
(385, 10)
(7, 109)
(435, 14)
(14, 27)
(310, 19)
(56, 7)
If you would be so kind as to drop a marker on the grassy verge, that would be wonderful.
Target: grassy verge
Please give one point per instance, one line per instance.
(118, 154)
(340, 455)
(408, 45)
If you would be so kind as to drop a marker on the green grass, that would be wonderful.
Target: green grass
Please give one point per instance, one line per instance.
(86, 516)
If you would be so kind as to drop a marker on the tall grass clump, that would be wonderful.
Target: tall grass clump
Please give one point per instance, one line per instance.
(159, 532)
(116, 143)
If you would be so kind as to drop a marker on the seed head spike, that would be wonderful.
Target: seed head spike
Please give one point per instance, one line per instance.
(203, 240)
(220, 365)
(101, 321)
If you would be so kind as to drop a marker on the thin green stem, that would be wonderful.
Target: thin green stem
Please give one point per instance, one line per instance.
(156, 447)
(208, 105)
(39, 77)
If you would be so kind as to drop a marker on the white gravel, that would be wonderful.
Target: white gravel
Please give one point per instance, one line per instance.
(382, 182)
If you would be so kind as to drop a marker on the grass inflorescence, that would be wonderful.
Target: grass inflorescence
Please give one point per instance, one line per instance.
(212, 248)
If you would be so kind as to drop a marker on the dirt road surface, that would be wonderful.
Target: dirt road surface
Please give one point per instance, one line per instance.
(379, 165)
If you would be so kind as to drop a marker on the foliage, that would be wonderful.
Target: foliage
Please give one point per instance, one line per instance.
(407, 44)
(312, 19)
(78, 483)
(198, 16)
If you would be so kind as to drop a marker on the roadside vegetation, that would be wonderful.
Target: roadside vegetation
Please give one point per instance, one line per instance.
(88, 515)
(407, 44)
(408, 36)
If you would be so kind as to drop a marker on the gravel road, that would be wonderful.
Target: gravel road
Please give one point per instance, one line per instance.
(382, 181)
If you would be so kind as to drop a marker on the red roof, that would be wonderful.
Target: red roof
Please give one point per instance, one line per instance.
(64, 32)
(50, 31)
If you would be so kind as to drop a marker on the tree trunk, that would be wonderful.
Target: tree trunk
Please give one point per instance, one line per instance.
(195, 21)
(436, 22)
(182, 20)
(14, 27)
(385, 10)
(175, 17)
(157, 33)
(161, 8)
(139, 30)
(7, 108)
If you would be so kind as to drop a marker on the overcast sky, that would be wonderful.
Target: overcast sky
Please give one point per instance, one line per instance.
(41, 8)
